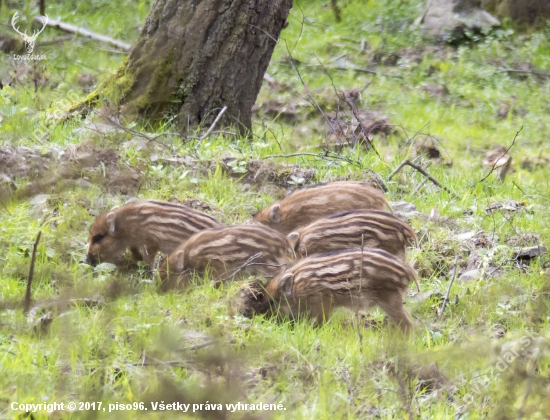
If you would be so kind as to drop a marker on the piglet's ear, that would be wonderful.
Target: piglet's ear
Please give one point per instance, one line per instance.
(285, 284)
(293, 238)
(275, 214)
(178, 260)
(110, 220)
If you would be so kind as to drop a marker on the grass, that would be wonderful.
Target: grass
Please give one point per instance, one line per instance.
(130, 343)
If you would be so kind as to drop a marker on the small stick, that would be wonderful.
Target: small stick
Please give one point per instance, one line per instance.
(214, 123)
(55, 40)
(246, 263)
(538, 73)
(267, 265)
(27, 302)
(201, 345)
(449, 288)
(292, 155)
(420, 185)
(423, 172)
(84, 32)
(505, 153)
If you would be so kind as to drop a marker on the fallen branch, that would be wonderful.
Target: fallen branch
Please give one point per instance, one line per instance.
(55, 40)
(213, 124)
(27, 302)
(291, 155)
(362, 70)
(504, 154)
(66, 27)
(423, 172)
(201, 345)
(535, 72)
(445, 300)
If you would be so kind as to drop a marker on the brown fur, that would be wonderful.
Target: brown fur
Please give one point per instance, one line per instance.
(354, 278)
(359, 228)
(145, 227)
(223, 252)
(308, 204)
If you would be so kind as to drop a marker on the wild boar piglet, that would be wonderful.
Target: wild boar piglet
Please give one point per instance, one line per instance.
(354, 278)
(145, 227)
(357, 228)
(311, 203)
(225, 253)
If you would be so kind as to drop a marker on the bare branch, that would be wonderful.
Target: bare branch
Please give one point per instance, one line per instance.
(66, 27)
(292, 155)
(213, 124)
(27, 302)
(504, 154)
(535, 72)
(423, 172)
(449, 288)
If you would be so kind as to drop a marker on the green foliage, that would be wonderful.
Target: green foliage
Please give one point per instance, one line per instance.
(114, 338)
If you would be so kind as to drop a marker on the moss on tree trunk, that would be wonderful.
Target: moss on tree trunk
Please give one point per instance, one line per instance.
(194, 57)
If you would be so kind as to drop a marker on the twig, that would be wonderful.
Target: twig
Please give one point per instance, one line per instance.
(291, 155)
(497, 160)
(535, 72)
(359, 70)
(449, 288)
(84, 32)
(213, 124)
(291, 61)
(423, 172)
(56, 40)
(420, 185)
(173, 363)
(347, 99)
(201, 345)
(137, 133)
(268, 265)
(327, 155)
(27, 302)
(112, 51)
(246, 263)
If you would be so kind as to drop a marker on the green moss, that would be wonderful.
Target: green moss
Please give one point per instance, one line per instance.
(116, 87)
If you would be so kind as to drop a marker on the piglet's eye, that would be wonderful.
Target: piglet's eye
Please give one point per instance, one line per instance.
(97, 238)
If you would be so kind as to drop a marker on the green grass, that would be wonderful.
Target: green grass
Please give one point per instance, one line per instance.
(134, 344)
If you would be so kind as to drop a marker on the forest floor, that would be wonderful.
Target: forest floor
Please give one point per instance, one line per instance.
(109, 336)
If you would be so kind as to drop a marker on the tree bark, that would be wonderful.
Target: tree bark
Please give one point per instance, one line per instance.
(194, 57)
(530, 12)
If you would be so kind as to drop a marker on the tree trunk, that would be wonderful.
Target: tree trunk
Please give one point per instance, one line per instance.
(194, 57)
(530, 12)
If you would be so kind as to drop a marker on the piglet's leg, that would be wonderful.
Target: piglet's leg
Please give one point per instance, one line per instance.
(320, 310)
(393, 306)
(136, 255)
(149, 253)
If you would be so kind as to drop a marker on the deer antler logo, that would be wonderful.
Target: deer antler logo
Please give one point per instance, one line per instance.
(29, 39)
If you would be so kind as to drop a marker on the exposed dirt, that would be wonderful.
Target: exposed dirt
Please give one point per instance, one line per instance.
(258, 171)
(55, 169)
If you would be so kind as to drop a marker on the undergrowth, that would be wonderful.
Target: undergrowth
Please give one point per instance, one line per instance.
(110, 336)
